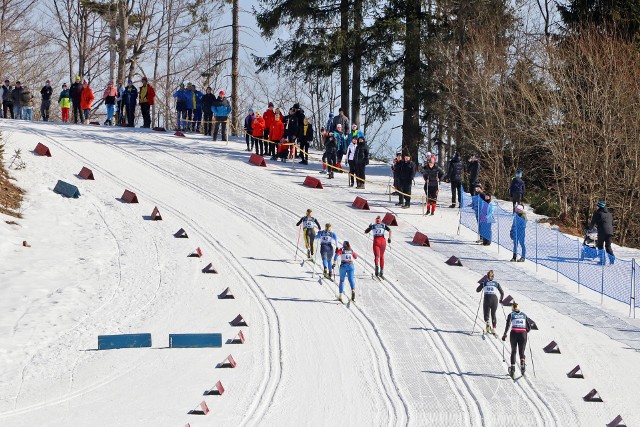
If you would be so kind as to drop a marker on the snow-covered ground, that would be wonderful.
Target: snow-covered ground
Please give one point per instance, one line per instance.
(402, 355)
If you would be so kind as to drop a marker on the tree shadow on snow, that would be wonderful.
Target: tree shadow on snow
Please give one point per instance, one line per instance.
(443, 330)
(322, 301)
(468, 374)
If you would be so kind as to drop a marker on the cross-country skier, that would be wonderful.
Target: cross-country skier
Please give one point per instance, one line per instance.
(327, 239)
(308, 224)
(520, 327)
(491, 290)
(379, 243)
(347, 255)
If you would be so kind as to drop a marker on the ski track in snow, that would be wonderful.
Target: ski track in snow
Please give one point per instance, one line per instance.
(383, 382)
(482, 398)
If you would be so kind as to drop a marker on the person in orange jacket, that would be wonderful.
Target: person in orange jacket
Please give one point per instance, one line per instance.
(258, 127)
(147, 95)
(276, 133)
(86, 100)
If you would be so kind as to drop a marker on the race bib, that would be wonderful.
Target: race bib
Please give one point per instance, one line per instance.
(490, 289)
(519, 321)
(308, 224)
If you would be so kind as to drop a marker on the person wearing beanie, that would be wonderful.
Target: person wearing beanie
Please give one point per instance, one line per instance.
(248, 129)
(207, 115)
(520, 327)
(129, 101)
(350, 161)
(258, 128)
(5, 99)
(45, 105)
(269, 116)
(432, 175)
(473, 171)
(86, 101)
(64, 100)
(394, 170)
(221, 109)
(16, 100)
(361, 160)
(109, 96)
(76, 94)
(147, 96)
(454, 176)
(330, 127)
(491, 289)
(516, 190)
(27, 104)
(406, 174)
(602, 219)
(518, 233)
(305, 137)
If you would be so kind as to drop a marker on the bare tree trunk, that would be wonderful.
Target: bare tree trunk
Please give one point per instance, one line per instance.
(344, 56)
(123, 26)
(235, 52)
(357, 62)
(411, 132)
(112, 40)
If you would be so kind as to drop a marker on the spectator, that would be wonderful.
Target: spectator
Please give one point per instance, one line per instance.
(190, 100)
(343, 121)
(76, 95)
(197, 111)
(207, 115)
(483, 208)
(147, 97)
(341, 140)
(355, 133)
(330, 126)
(27, 104)
(258, 134)
(330, 154)
(394, 169)
(181, 96)
(65, 103)
(7, 103)
(361, 160)
(454, 176)
(473, 169)
(291, 128)
(46, 93)
(518, 232)
(269, 116)
(349, 160)
(516, 190)
(276, 133)
(86, 100)
(119, 106)
(129, 100)
(109, 96)
(603, 220)
(221, 109)
(16, 101)
(406, 173)
(432, 175)
(305, 137)
(248, 129)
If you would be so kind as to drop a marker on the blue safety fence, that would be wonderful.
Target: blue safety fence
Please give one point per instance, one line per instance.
(570, 257)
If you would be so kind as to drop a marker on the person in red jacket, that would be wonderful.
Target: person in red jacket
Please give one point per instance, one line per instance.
(86, 100)
(258, 126)
(147, 96)
(276, 133)
(269, 118)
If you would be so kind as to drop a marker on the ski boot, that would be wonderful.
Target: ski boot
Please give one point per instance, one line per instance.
(340, 298)
(433, 212)
(381, 275)
(353, 295)
(325, 273)
(521, 259)
(428, 212)
(376, 271)
(514, 258)
(308, 253)
(522, 366)
(512, 371)
(488, 328)
(452, 205)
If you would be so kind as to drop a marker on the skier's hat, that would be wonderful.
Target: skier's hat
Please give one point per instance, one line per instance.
(309, 211)
(514, 307)
(346, 244)
(378, 219)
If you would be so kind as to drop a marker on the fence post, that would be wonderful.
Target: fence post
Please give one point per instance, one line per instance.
(632, 300)
(498, 223)
(461, 207)
(536, 246)
(557, 255)
(478, 216)
(579, 262)
(601, 256)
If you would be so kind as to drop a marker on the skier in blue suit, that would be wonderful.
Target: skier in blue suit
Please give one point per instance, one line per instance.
(347, 269)
(327, 239)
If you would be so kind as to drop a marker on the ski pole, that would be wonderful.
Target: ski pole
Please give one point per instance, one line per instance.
(503, 359)
(298, 242)
(477, 313)
(532, 364)
(315, 255)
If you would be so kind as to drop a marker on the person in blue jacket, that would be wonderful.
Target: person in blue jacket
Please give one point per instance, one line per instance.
(181, 96)
(347, 269)
(516, 190)
(518, 233)
(129, 100)
(221, 109)
(327, 239)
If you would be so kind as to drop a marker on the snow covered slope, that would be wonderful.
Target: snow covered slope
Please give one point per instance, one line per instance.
(402, 355)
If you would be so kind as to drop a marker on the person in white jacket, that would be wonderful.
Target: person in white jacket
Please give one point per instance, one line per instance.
(349, 157)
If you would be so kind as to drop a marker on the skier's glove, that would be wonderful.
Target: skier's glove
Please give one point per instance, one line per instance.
(333, 266)
(504, 337)
(389, 240)
(500, 301)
